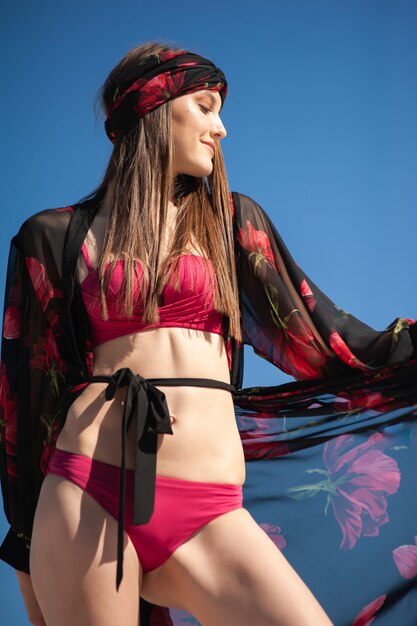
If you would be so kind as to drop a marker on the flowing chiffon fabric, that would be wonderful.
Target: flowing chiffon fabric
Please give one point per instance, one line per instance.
(331, 459)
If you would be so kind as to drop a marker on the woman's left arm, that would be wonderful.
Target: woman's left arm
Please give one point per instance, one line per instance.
(294, 325)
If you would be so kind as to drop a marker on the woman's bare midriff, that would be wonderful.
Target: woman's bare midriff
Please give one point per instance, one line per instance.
(205, 445)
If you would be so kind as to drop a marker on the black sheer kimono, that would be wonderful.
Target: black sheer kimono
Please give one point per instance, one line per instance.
(335, 478)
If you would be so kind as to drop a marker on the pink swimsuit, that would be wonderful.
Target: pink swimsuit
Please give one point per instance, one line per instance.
(160, 513)
(182, 507)
(190, 307)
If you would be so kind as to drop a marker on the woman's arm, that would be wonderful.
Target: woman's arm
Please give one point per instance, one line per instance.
(294, 325)
(32, 378)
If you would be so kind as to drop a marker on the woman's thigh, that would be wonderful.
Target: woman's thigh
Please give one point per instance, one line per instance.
(230, 573)
(73, 561)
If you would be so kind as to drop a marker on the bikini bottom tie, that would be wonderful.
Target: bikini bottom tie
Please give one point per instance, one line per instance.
(146, 405)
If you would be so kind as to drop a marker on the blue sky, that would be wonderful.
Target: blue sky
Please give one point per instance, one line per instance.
(321, 120)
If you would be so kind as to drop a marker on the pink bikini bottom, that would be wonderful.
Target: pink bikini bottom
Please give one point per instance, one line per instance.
(182, 507)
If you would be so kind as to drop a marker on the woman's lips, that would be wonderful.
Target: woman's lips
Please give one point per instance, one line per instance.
(209, 144)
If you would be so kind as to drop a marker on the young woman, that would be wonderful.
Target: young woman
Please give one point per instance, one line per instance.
(124, 321)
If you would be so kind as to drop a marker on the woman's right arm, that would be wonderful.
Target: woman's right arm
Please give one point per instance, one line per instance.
(32, 378)
(32, 607)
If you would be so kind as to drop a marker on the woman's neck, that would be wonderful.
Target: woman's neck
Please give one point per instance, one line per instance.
(105, 205)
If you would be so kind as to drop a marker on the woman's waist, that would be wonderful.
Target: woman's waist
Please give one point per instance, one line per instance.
(198, 449)
(197, 415)
(202, 421)
(185, 396)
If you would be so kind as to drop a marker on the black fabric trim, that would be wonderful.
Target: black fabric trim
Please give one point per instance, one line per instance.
(236, 374)
(15, 552)
(78, 227)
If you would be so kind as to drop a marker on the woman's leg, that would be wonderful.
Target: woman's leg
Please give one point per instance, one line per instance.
(230, 573)
(73, 561)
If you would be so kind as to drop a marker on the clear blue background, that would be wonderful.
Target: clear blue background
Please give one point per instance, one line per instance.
(321, 120)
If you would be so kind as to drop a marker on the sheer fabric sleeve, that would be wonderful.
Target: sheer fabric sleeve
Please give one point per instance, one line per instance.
(294, 325)
(32, 374)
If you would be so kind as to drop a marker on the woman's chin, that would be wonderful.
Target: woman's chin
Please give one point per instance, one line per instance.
(198, 170)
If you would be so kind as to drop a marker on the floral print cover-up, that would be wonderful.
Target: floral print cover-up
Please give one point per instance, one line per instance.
(331, 458)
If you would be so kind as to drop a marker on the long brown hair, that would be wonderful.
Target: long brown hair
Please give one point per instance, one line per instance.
(140, 171)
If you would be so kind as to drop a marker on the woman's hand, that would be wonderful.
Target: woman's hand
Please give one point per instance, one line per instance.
(32, 607)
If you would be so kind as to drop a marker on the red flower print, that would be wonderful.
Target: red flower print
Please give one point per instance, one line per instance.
(52, 432)
(291, 345)
(47, 358)
(405, 558)
(361, 399)
(343, 352)
(43, 287)
(258, 435)
(11, 323)
(258, 244)
(158, 90)
(308, 295)
(118, 99)
(362, 477)
(357, 482)
(8, 420)
(170, 54)
(266, 449)
(89, 361)
(52, 318)
(274, 532)
(367, 615)
(190, 64)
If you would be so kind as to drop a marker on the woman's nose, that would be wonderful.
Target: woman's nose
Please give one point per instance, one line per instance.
(218, 130)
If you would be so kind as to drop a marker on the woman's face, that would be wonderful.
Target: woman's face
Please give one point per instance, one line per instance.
(196, 128)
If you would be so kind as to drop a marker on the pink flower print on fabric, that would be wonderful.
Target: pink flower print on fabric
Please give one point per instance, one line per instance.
(42, 286)
(12, 315)
(405, 558)
(157, 90)
(308, 295)
(47, 358)
(52, 431)
(343, 352)
(257, 243)
(291, 345)
(258, 435)
(367, 615)
(11, 323)
(8, 421)
(274, 532)
(357, 481)
(363, 477)
(361, 399)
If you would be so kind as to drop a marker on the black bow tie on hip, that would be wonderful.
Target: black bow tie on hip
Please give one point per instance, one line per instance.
(150, 407)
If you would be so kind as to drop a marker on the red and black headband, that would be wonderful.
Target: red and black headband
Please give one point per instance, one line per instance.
(160, 78)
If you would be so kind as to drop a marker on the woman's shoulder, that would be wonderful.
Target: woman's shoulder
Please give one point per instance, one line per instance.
(245, 206)
(48, 224)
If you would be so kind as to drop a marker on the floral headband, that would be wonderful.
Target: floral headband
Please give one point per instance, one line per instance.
(161, 77)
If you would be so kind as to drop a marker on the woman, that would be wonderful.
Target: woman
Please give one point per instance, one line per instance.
(142, 328)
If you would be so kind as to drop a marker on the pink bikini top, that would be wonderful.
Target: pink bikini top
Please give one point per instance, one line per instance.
(190, 307)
